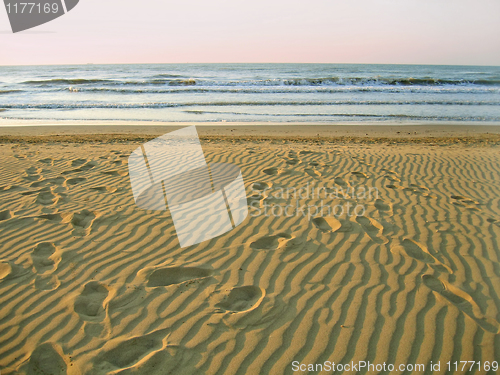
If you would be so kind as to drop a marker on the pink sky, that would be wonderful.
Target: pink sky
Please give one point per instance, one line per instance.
(330, 31)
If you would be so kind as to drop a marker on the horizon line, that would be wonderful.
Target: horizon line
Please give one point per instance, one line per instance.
(248, 63)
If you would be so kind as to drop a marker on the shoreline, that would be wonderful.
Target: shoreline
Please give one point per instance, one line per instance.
(370, 134)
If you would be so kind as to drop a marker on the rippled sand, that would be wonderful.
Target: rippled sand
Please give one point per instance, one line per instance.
(91, 284)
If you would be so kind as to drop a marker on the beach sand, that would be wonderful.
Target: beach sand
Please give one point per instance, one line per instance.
(92, 284)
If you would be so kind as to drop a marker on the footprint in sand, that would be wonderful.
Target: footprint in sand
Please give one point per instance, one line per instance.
(418, 189)
(469, 201)
(127, 353)
(33, 177)
(76, 181)
(242, 299)
(5, 215)
(48, 161)
(417, 251)
(421, 188)
(261, 185)
(369, 224)
(176, 275)
(292, 161)
(396, 187)
(103, 189)
(392, 178)
(28, 193)
(413, 188)
(33, 170)
(33, 174)
(312, 172)
(78, 162)
(86, 166)
(381, 205)
(271, 242)
(83, 168)
(327, 224)
(273, 171)
(420, 252)
(463, 302)
(341, 182)
(63, 217)
(47, 282)
(48, 181)
(5, 269)
(47, 358)
(82, 222)
(359, 174)
(389, 171)
(47, 197)
(7, 188)
(433, 283)
(92, 304)
(45, 257)
(256, 201)
(462, 201)
(9, 270)
(372, 228)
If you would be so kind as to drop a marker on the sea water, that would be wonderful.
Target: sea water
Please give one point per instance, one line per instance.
(319, 93)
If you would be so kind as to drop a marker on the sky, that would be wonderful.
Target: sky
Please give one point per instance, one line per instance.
(456, 32)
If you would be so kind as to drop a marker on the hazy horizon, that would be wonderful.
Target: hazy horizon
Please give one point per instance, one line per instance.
(413, 32)
(251, 63)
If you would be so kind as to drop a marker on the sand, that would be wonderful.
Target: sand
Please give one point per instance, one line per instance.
(92, 284)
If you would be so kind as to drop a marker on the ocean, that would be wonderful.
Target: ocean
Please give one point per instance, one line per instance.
(319, 93)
